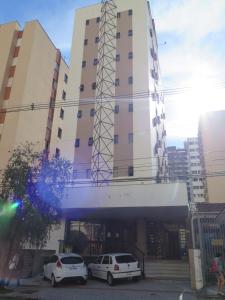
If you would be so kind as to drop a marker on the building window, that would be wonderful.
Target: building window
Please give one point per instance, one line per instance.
(88, 173)
(92, 112)
(130, 55)
(12, 71)
(118, 35)
(130, 138)
(57, 152)
(64, 95)
(87, 22)
(16, 52)
(130, 79)
(85, 42)
(153, 73)
(116, 139)
(118, 15)
(90, 141)
(130, 107)
(150, 31)
(79, 114)
(81, 88)
(116, 109)
(95, 61)
(77, 143)
(130, 171)
(130, 12)
(59, 133)
(117, 57)
(20, 34)
(117, 82)
(61, 114)
(130, 32)
(94, 86)
(83, 63)
(52, 103)
(7, 93)
(65, 78)
(54, 84)
(96, 39)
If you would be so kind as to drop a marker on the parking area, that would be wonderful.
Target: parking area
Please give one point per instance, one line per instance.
(99, 290)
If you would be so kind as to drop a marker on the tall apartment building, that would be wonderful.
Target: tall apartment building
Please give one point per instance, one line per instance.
(140, 213)
(139, 132)
(184, 165)
(195, 179)
(32, 73)
(177, 163)
(212, 152)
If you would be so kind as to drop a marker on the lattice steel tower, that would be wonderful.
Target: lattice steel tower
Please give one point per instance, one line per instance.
(103, 136)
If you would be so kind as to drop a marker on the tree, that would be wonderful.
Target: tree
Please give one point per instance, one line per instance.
(30, 193)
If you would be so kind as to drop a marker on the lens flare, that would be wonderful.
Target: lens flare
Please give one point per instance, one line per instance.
(9, 209)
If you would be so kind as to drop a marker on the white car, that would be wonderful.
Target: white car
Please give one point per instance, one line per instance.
(115, 266)
(63, 267)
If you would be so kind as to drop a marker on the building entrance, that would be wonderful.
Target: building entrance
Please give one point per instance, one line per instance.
(97, 237)
(166, 240)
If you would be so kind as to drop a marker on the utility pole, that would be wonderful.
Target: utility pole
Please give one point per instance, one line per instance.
(103, 136)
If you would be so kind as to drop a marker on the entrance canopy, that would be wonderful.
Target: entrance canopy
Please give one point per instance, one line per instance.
(166, 214)
(160, 201)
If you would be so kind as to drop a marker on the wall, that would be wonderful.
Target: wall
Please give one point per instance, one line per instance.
(139, 195)
(212, 148)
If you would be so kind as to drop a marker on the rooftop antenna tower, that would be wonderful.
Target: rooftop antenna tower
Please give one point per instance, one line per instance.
(103, 135)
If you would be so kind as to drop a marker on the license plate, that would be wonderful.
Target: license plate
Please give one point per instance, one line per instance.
(73, 268)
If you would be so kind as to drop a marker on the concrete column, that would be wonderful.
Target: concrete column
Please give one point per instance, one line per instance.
(195, 269)
(142, 235)
(56, 235)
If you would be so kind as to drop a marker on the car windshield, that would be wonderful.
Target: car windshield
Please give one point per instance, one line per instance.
(121, 259)
(71, 260)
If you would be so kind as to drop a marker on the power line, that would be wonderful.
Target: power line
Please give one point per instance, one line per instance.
(134, 181)
(89, 101)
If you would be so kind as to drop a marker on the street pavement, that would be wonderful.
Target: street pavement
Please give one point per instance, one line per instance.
(99, 290)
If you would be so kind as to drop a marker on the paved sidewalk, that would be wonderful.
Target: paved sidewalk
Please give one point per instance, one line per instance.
(209, 292)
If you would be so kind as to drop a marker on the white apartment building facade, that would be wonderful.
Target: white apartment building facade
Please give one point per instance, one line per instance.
(195, 179)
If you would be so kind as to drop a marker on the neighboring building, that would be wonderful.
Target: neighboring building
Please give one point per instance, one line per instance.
(184, 165)
(194, 179)
(177, 164)
(133, 211)
(212, 151)
(32, 74)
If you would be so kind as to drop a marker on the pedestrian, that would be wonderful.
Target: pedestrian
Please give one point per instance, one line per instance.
(217, 268)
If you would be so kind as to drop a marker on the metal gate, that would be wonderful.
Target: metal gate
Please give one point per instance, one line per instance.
(208, 236)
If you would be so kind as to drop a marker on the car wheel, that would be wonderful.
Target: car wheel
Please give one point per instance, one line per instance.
(135, 279)
(90, 276)
(83, 281)
(110, 279)
(53, 282)
(44, 278)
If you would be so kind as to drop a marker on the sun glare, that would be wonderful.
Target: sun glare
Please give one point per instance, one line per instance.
(202, 93)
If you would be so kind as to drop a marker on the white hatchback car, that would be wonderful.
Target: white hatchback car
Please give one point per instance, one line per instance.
(63, 267)
(115, 266)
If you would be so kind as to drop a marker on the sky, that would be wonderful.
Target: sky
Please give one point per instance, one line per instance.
(191, 39)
